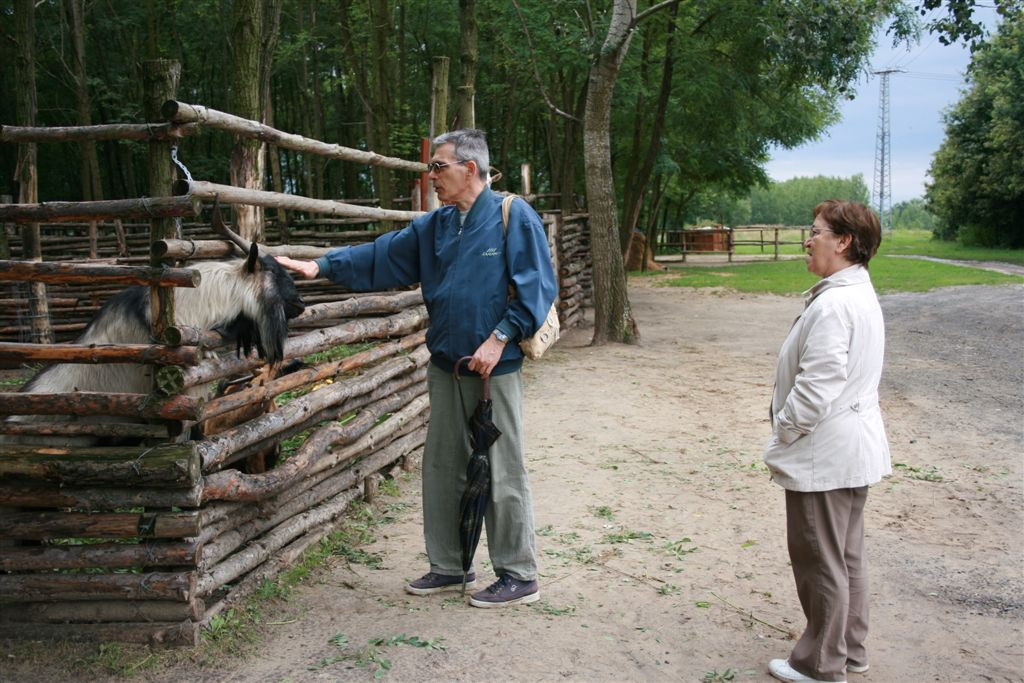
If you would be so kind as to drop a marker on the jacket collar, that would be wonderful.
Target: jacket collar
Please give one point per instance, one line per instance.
(479, 207)
(851, 275)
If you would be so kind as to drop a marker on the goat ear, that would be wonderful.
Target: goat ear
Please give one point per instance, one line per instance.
(253, 262)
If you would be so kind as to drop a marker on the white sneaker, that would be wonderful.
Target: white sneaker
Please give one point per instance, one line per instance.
(857, 668)
(780, 669)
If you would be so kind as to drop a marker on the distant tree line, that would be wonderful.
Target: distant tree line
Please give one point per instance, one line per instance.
(792, 202)
(978, 187)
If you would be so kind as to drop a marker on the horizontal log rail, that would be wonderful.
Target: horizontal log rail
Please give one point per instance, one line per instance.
(178, 586)
(258, 553)
(105, 131)
(162, 634)
(144, 207)
(35, 494)
(397, 325)
(99, 353)
(106, 555)
(84, 273)
(136, 430)
(294, 380)
(180, 250)
(180, 113)
(38, 526)
(169, 465)
(285, 506)
(349, 308)
(143, 406)
(101, 610)
(279, 200)
(237, 486)
(216, 450)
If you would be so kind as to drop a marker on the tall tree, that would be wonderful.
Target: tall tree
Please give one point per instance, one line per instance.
(247, 156)
(613, 318)
(26, 171)
(92, 188)
(468, 57)
(978, 187)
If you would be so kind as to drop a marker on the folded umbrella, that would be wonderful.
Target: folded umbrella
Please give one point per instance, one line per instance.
(473, 504)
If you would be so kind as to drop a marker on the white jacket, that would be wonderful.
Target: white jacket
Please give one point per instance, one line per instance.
(827, 426)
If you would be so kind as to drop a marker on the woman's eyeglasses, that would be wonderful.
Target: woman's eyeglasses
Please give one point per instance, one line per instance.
(435, 166)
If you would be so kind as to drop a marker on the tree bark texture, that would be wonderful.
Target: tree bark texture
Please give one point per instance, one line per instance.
(83, 273)
(26, 171)
(177, 586)
(161, 78)
(179, 112)
(105, 131)
(104, 353)
(613, 319)
(159, 634)
(47, 525)
(247, 158)
(233, 195)
(468, 57)
(62, 212)
(92, 187)
(171, 466)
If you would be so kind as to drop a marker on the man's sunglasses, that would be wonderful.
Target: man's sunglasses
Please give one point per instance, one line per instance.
(435, 166)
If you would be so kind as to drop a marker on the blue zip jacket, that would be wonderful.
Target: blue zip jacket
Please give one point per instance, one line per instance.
(464, 273)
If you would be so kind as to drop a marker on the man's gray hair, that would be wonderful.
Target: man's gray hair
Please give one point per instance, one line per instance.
(469, 144)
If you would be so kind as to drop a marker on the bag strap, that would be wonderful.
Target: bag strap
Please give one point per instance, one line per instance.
(506, 208)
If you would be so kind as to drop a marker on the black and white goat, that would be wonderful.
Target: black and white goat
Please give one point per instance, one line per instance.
(249, 300)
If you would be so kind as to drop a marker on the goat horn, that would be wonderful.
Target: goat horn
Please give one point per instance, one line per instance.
(217, 223)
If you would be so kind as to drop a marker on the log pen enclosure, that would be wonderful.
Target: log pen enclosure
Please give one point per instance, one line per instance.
(139, 529)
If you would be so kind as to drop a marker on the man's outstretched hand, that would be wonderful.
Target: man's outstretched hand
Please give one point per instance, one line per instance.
(307, 269)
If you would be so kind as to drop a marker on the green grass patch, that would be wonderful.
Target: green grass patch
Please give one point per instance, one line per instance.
(791, 277)
(921, 243)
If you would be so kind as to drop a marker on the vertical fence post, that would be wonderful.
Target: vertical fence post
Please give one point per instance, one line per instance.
(160, 83)
(776, 257)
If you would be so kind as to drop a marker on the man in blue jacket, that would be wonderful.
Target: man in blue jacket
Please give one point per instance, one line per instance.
(464, 261)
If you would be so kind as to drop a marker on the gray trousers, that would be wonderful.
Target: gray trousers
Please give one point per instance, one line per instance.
(509, 519)
(825, 533)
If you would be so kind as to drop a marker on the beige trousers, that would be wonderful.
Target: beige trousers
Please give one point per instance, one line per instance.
(825, 534)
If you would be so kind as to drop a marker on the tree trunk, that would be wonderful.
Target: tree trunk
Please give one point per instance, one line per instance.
(161, 84)
(381, 103)
(26, 169)
(92, 188)
(468, 57)
(638, 181)
(613, 319)
(247, 154)
(272, 11)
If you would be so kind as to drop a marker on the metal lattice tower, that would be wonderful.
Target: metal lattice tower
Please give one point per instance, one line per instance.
(881, 190)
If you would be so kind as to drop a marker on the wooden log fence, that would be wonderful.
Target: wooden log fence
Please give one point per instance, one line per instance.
(150, 531)
(226, 524)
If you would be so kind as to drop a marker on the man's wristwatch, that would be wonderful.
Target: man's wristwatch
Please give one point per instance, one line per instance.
(501, 336)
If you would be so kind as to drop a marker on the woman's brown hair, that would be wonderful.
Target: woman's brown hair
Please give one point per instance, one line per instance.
(857, 221)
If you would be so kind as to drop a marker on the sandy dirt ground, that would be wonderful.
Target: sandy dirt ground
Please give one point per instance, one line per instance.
(661, 539)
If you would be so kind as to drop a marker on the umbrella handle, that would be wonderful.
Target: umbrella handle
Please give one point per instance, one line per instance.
(487, 381)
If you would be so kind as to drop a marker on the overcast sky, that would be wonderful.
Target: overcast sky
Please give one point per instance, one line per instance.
(933, 82)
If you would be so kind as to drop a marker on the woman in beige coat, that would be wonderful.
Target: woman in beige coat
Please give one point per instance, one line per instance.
(828, 443)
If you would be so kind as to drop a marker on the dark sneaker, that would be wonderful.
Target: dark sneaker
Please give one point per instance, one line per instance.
(506, 591)
(431, 583)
